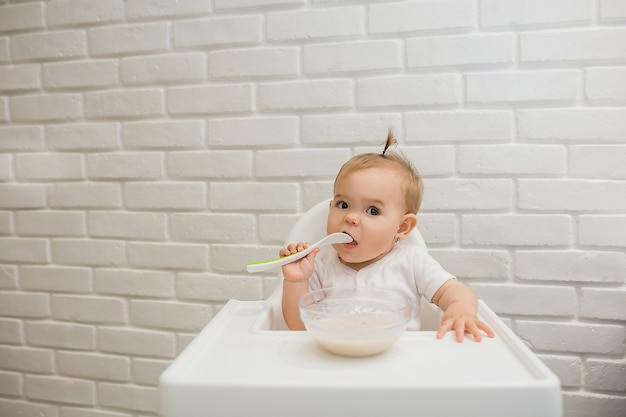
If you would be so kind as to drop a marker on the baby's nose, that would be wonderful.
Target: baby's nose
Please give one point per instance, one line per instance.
(352, 218)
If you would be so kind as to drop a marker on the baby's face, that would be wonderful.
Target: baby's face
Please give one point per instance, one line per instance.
(369, 206)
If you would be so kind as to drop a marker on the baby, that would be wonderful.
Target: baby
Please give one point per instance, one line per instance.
(376, 198)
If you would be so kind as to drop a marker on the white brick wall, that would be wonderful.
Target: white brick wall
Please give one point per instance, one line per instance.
(149, 148)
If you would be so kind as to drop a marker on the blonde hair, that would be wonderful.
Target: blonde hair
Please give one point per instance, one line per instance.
(411, 181)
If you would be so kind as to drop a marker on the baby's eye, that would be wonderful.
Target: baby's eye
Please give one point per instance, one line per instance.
(372, 211)
(341, 205)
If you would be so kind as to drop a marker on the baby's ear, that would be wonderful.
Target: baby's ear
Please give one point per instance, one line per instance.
(409, 221)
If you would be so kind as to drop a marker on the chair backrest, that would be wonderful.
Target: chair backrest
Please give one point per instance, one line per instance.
(311, 227)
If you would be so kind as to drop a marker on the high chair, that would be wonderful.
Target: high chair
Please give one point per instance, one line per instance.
(245, 363)
(311, 227)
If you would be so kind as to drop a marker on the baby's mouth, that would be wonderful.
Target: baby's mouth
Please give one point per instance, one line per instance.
(353, 243)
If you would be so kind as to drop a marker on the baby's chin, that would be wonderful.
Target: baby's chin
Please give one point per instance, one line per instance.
(353, 259)
(346, 256)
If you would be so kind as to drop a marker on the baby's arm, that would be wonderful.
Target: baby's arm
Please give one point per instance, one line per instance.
(460, 311)
(296, 283)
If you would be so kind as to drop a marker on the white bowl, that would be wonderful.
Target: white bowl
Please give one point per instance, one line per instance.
(355, 321)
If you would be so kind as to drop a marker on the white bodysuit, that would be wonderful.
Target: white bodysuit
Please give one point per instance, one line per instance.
(408, 269)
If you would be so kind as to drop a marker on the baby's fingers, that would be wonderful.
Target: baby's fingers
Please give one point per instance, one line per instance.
(461, 326)
(485, 328)
(458, 325)
(293, 248)
(473, 329)
(444, 328)
(302, 246)
(289, 250)
(459, 330)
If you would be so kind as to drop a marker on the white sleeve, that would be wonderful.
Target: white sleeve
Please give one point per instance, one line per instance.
(429, 274)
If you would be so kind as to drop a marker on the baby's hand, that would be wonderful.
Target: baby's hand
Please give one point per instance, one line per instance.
(302, 269)
(461, 318)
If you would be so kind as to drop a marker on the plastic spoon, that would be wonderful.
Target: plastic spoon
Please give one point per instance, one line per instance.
(328, 240)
